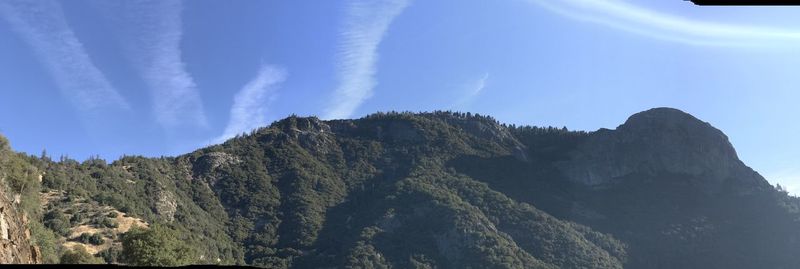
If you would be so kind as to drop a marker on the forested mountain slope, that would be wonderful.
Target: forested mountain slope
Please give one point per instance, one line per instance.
(433, 190)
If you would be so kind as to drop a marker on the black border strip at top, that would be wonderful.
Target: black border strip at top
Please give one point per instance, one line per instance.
(746, 2)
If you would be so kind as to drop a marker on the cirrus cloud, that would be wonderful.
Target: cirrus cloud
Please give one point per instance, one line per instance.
(629, 17)
(43, 26)
(150, 32)
(250, 103)
(365, 25)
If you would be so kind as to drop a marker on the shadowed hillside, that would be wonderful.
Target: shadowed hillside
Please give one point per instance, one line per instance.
(435, 190)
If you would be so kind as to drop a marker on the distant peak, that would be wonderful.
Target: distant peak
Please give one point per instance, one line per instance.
(663, 110)
(667, 112)
(663, 117)
(659, 140)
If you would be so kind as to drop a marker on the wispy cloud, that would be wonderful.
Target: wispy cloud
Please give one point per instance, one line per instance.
(43, 26)
(250, 103)
(365, 25)
(151, 33)
(629, 17)
(471, 91)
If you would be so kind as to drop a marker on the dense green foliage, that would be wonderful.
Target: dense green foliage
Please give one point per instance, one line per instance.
(141, 188)
(377, 192)
(406, 190)
(58, 222)
(157, 246)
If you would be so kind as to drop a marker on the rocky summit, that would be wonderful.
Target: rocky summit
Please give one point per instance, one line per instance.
(657, 141)
(415, 190)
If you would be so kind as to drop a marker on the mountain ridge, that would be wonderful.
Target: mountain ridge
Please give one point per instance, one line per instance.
(451, 190)
(654, 141)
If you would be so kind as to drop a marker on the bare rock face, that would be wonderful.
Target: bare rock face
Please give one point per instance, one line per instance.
(214, 160)
(15, 238)
(660, 140)
(166, 205)
(310, 133)
(313, 135)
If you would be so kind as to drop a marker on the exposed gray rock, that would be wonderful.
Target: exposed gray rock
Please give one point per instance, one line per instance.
(660, 140)
(166, 205)
(519, 153)
(310, 133)
(487, 129)
(213, 160)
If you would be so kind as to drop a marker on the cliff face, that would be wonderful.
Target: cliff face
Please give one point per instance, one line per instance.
(658, 141)
(15, 238)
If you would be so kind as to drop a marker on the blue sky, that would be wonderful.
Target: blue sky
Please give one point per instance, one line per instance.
(94, 77)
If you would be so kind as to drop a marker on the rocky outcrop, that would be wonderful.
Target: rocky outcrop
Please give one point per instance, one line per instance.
(15, 238)
(310, 133)
(213, 160)
(657, 141)
(166, 205)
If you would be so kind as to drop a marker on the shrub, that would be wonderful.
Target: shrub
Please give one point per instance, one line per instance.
(57, 221)
(156, 246)
(76, 218)
(46, 240)
(94, 239)
(109, 223)
(111, 255)
(79, 255)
